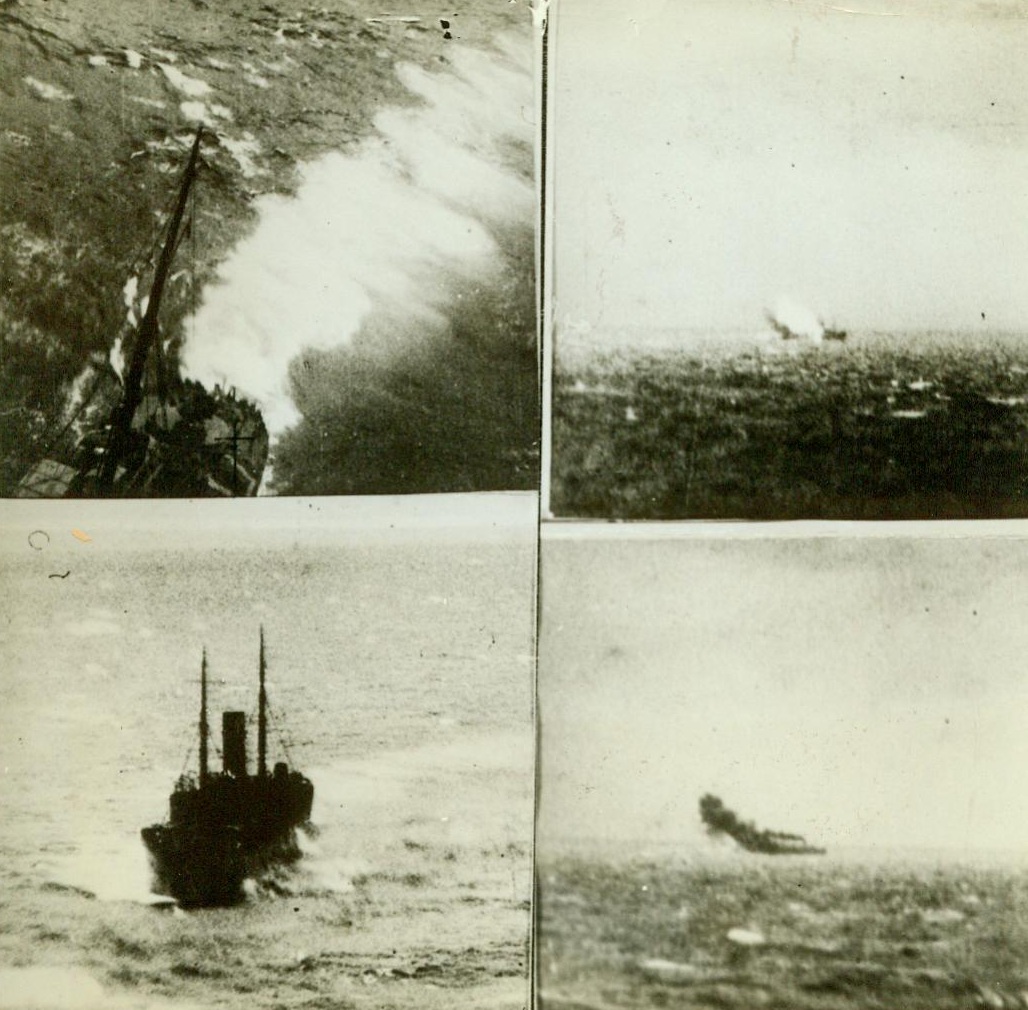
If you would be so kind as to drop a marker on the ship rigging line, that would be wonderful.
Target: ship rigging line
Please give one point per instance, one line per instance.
(144, 261)
(286, 748)
(186, 769)
(147, 334)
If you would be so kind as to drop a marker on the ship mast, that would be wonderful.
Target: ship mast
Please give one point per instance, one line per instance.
(203, 720)
(146, 336)
(262, 720)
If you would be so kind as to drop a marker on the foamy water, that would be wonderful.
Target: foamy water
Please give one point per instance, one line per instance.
(416, 733)
(396, 230)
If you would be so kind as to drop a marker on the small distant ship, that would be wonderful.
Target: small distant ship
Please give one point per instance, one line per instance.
(225, 827)
(817, 333)
(719, 819)
(149, 432)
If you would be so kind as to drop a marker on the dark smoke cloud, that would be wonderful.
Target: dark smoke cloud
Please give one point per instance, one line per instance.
(719, 819)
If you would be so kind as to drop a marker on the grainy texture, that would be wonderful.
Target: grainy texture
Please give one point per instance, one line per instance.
(910, 427)
(99, 101)
(399, 674)
(822, 934)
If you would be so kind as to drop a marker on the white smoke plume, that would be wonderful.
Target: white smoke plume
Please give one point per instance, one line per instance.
(390, 231)
(791, 320)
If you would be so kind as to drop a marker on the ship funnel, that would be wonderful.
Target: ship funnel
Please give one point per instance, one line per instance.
(233, 743)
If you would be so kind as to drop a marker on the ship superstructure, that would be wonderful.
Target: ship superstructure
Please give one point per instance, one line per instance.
(149, 431)
(226, 826)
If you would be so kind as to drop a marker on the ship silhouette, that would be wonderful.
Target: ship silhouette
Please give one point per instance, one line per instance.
(149, 431)
(225, 827)
(719, 819)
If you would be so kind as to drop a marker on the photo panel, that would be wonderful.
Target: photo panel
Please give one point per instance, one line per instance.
(782, 769)
(267, 249)
(268, 753)
(786, 247)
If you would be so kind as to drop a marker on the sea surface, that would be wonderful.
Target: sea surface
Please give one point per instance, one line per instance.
(580, 345)
(400, 679)
(705, 924)
(685, 425)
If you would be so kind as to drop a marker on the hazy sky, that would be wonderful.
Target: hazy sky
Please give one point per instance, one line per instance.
(712, 157)
(861, 691)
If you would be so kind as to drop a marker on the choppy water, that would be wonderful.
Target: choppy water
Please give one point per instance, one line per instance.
(400, 674)
(709, 926)
(580, 342)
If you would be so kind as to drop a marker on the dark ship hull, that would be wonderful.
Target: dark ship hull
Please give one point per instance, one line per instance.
(197, 868)
(225, 827)
(205, 862)
(770, 845)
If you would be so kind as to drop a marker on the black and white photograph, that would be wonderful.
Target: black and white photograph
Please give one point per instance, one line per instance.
(277, 248)
(787, 248)
(274, 754)
(782, 769)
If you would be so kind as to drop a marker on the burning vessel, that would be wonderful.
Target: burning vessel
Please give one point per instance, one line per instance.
(719, 819)
(149, 432)
(224, 827)
(805, 327)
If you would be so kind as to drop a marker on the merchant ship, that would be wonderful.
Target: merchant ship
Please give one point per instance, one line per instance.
(146, 431)
(226, 827)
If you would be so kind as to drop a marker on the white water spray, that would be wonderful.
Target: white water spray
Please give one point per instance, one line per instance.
(386, 231)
